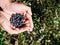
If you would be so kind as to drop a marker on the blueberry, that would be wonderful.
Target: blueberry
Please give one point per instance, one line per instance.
(17, 20)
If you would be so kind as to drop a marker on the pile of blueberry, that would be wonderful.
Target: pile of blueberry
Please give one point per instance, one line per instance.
(17, 20)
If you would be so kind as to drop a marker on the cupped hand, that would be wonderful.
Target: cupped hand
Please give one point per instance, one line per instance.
(13, 8)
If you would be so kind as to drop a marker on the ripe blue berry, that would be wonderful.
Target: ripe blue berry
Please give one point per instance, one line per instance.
(17, 20)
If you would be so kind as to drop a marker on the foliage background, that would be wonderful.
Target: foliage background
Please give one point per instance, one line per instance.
(46, 18)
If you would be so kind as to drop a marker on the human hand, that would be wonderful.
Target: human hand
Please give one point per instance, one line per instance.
(14, 8)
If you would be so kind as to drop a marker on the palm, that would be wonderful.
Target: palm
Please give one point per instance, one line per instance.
(13, 8)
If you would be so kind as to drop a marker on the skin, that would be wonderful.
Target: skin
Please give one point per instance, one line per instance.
(13, 8)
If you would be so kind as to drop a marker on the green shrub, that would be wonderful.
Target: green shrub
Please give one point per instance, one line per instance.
(46, 19)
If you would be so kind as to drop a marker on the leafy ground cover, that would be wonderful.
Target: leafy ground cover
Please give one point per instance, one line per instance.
(46, 19)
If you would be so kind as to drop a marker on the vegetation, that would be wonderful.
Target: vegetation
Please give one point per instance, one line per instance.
(46, 18)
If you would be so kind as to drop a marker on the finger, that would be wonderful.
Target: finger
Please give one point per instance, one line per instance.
(21, 7)
(13, 27)
(28, 29)
(2, 18)
(29, 11)
(17, 7)
(20, 30)
(8, 29)
(23, 29)
(9, 12)
(27, 25)
(10, 32)
(26, 21)
(30, 20)
(7, 16)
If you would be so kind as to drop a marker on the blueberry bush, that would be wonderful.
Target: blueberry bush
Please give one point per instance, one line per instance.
(46, 19)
